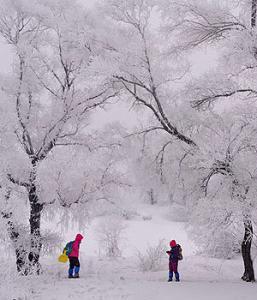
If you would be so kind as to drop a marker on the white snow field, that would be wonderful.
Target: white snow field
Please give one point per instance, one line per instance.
(103, 279)
(109, 279)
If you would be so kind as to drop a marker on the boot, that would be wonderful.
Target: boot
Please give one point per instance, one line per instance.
(76, 275)
(170, 276)
(70, 273)
(177, 276)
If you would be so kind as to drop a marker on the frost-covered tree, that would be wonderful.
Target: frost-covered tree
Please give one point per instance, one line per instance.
(154, 162)
(230, 29)
(48, 100)
(226, 170)
(146, 55)
(135, 54)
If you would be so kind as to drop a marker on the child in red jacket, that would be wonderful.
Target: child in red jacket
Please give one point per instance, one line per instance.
(175, 254)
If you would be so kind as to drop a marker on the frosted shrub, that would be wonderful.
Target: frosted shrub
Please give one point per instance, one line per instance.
(110, 234)
(152, 259)
(216, 234)
(129, 214)
(51, 243)
(225, 245)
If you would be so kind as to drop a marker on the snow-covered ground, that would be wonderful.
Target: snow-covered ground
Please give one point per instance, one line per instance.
(102, 278)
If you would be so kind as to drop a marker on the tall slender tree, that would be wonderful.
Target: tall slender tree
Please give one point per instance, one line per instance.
(233, 36)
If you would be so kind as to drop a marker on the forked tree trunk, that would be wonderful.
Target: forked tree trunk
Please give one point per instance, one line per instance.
(14, 234)
(20, 251)
(246, 252)
(27, 255)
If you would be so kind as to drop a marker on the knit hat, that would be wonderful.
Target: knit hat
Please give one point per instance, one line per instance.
(173, 243)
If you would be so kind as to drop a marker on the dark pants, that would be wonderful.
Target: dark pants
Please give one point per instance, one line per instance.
(173, 267)
(74, 263)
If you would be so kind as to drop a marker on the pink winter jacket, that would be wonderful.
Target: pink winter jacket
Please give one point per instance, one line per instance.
(75, 246)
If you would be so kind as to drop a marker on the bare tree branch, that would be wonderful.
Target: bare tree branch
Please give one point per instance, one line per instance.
(209, 99)
(18, 182)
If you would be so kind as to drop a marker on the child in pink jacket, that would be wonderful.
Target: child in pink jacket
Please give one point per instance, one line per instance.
(73, 255)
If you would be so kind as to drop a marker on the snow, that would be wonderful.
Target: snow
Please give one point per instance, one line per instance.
(140, 58)
(109, 279)
(119, 279)
(150, 226)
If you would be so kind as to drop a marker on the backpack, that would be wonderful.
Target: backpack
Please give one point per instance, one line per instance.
(176, 253)
(180, 256)
(68, 248)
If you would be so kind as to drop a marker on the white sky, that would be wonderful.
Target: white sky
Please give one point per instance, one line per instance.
(5, 57)
(88, 3)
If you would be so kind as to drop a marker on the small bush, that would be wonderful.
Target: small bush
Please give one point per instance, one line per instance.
(51, 243)
(152, 259)
(110, 234)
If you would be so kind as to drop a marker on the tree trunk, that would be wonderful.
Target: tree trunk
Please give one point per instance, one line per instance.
(27, 245)
(151, 197)
(253, 14)
(35, 234)
(240, 192)
(246, 252)
(27, 255)
(14, 234)
(20, 251)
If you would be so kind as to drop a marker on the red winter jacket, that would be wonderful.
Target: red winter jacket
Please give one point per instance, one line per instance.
(75, 246)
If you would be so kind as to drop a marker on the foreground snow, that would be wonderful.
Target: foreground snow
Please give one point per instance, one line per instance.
(106, 279)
